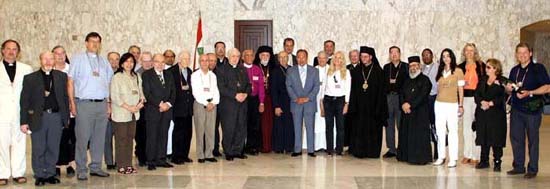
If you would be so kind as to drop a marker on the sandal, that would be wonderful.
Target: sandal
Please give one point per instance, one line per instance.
(20, 180)
(122, 170)
(129, 170)
(3, 182)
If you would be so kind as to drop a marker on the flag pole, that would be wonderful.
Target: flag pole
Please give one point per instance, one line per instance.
(196, 44)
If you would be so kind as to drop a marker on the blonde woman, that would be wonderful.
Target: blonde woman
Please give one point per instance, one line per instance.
(473, 69)
(335, 97)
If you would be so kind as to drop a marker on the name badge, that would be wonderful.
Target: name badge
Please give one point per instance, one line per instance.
(185, 87)
(95, 74)
(392, 81)
(255, 78)
(337, 86)
(206, 89)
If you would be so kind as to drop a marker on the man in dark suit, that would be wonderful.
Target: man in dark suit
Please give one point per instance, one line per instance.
(160, 94)
(234, 87)
(183, 110)
(328, 48)
(219, 47)
(288, 46)
(45, 111)
(303, 84)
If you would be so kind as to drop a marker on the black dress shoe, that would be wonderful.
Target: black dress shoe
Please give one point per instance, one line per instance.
(388, 155)
(482, 165)
(187, 160)
(295, 154)
(111, 167)
(515, 172)
(530, 175)
(242, 156)
(211, 159)
(178, 161)
(70, 172)
(52, 180)
(311, 154)
(201, 160)
(228, 158)
(164, 165)
(39, 182)
(329, 153)
(151, 167)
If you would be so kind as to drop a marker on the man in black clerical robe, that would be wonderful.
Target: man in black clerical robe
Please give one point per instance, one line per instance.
(234, 88)
(414, 134)
(368, 103)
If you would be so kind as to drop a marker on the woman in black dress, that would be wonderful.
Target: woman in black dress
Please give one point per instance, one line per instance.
(490, 115)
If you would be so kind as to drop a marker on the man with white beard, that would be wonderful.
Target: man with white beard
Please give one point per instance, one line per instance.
(414, 134)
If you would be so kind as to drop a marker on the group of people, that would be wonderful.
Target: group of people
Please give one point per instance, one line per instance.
(262, 101)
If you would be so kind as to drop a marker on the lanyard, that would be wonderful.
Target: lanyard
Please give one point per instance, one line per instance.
(397, 74)
(523, 79)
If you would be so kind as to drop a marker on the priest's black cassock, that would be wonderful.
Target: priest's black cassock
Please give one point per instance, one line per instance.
(369, 109)
(414, 135)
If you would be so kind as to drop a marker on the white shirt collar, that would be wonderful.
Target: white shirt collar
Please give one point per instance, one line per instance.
(247, 65)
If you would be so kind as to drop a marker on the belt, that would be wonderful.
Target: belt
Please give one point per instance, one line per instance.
(91, 100)
(50, 110)
(333, 97)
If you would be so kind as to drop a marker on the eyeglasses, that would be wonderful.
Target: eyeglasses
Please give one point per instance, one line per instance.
(489, 67)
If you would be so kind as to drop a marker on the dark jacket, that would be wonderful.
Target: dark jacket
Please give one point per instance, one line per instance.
(155, 92)
(32, 98)
(480, 71)
(183, 105)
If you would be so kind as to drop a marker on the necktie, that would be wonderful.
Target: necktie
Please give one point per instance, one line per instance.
(303, 76)
(161, 79)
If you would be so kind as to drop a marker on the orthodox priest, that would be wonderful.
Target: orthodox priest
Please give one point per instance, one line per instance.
(414, 134)
(368, 102)
(265, 59)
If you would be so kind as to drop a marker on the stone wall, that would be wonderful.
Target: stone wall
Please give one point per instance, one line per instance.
(494, 25)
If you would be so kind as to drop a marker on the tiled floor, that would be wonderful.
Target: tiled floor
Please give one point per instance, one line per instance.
(282, 171)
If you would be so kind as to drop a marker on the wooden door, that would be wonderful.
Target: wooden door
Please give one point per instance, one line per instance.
(251, 34)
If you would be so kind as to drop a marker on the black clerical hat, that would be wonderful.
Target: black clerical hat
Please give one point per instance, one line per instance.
(262, 49)
(368, 50)
(415, 59)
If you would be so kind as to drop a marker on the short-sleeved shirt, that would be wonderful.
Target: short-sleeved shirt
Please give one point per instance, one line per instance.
(91, 75)
(531, 77)
(447, 86)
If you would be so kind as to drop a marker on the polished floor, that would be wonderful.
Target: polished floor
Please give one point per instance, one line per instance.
(282, 171)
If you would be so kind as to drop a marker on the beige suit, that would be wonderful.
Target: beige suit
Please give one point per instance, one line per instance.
(12, 162)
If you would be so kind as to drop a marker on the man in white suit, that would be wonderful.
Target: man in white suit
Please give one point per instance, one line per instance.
(12, 140)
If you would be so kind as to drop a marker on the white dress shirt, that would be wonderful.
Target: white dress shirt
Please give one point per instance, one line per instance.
(303, 74)
(205, 86)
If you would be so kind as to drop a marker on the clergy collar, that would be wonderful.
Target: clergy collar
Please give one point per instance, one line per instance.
(234, 66)
(9, 64)
(247, 65)
(44, 72)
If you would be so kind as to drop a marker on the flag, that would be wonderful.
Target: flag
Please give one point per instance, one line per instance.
(199, 38)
